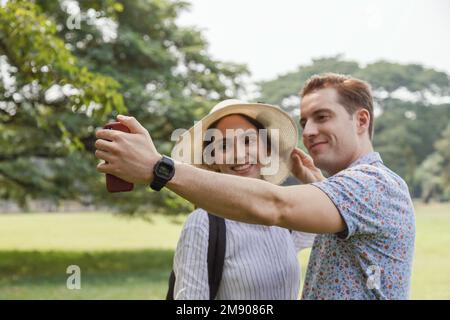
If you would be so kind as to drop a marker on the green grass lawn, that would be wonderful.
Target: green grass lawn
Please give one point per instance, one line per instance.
(123, 258)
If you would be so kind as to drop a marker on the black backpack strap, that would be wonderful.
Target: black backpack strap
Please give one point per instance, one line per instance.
(169, 295)
(215, 258)
(216, 253)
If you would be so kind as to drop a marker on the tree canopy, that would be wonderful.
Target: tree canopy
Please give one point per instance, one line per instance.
(70, 66)
(67, 67)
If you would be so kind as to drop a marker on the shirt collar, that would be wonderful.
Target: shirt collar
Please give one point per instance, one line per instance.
(368, 158)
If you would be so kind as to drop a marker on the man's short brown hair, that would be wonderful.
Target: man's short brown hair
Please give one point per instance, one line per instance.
(353, 93)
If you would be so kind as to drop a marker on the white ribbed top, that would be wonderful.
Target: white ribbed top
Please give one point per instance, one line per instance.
(260, 261)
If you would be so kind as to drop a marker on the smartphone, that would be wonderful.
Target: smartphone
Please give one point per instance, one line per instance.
(113, 183)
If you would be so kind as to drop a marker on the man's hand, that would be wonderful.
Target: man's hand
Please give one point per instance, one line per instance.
(303, 167)
(129, 156)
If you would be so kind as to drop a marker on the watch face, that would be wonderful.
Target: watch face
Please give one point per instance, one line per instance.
(164, 170)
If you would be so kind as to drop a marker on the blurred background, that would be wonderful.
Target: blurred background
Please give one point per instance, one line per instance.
(67, 67)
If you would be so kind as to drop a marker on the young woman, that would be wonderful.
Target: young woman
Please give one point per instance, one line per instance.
(260, 262)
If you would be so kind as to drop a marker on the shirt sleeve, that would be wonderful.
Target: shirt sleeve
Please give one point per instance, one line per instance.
(354, 193)
(302, 240)
(190, 261)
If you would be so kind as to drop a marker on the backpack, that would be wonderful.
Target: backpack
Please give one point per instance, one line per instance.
(215, 260)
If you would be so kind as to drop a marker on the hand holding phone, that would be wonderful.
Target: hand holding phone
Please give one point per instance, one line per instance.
(113, 183)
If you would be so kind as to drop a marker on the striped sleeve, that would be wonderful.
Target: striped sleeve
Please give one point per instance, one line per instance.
(190, 261)
(303, 240)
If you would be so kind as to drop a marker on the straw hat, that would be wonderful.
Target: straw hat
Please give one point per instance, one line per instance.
(270, 116)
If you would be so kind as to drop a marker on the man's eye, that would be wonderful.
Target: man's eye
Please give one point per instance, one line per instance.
(322, 118)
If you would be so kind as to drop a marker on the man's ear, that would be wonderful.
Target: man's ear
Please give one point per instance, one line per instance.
(362, 120)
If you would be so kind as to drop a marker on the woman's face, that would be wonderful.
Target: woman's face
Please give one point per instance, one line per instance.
(242, 163)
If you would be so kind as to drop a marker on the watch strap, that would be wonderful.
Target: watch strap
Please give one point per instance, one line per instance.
(159, 182)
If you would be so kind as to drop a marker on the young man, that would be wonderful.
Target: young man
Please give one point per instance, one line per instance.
(363, 212)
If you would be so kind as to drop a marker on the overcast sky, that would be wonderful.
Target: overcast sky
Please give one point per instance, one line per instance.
(275, 36)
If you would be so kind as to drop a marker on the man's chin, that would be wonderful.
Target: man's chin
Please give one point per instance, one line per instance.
(322, 162)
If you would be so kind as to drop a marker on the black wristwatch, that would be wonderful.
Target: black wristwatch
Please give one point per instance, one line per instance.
(163, 171)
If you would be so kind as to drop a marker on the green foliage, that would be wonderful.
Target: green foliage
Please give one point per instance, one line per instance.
(405, 138)
(382, 76)
(434, 173)
(42, 141)
(160, 71)
(416, 78)
(285, 86)
(442, 147)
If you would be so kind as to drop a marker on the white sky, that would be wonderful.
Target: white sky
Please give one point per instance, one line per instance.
(275, 36)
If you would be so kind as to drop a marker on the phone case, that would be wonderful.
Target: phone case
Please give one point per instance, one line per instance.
(113, 183)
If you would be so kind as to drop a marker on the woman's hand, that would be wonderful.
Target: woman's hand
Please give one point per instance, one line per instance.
(303, 167)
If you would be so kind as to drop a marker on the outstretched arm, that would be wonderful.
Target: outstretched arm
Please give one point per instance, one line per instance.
(131, 156)
(304, 208)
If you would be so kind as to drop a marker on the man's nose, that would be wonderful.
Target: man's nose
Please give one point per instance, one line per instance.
(309, 130)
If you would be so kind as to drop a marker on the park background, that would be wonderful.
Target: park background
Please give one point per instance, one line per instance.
(67, 67)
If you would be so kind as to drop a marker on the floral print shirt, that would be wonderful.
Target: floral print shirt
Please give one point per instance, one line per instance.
(372, 258)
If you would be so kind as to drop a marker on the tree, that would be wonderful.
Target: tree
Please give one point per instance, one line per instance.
(41, 137)
(443, 149)
(85, 61)
(405, 138)
(285, 89)
(428, 175)
(434, 173)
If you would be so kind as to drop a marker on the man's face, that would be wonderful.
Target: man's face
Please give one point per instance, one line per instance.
(329, 132)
